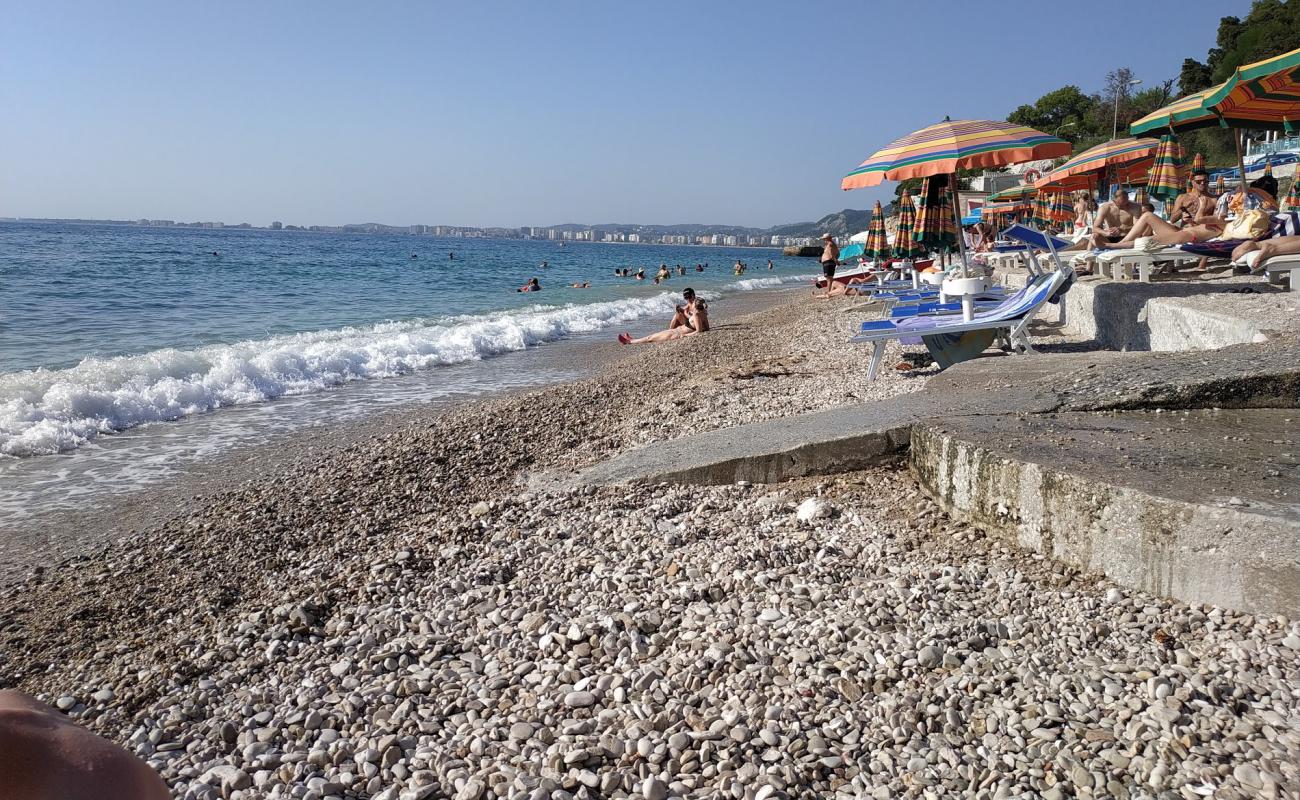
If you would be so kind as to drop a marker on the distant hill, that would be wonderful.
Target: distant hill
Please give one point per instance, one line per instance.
(840, 223)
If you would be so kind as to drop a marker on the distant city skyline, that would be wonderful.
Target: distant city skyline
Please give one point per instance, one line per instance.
(500, 114)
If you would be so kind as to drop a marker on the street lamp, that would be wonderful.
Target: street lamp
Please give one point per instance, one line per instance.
(1062, 127)
(1114, 128)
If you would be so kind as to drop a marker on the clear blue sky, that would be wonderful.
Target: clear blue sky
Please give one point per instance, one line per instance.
(536, 113)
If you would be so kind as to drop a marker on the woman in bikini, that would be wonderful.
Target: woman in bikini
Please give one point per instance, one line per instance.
(1203, 229)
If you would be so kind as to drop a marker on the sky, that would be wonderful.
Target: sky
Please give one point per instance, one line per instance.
(524, 113)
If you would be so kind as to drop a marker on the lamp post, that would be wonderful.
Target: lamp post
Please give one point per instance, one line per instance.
(1062, 127)
(1114, 128)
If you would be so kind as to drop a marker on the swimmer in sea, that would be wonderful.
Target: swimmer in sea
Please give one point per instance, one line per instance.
(583, 285)
(531, 286)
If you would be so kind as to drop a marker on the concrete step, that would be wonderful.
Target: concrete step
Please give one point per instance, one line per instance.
(1203, 506)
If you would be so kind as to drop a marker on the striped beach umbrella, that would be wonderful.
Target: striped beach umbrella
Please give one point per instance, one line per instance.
(936, 230)
(1042, 210)
(1062, 212)
(1292, 200)
(951, 145)
(1184, 114)
(1005, 213)
(905, 247)
(1127, 158)
(876, 247)
(1263, 95)
(1166, 180)
(1020, 192)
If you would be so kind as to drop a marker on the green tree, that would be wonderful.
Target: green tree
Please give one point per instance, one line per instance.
(1193, 77)
(1062, 109)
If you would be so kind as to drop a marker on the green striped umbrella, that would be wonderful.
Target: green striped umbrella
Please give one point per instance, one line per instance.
(1166, 179)
(1292, 200)
(905, 247)
(1042, 215)
(1062, 213)
(1020, 192)
(935, 228)
(876, 247)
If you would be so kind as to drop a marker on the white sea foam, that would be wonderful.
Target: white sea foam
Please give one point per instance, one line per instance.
(750, 284)
(48, 411)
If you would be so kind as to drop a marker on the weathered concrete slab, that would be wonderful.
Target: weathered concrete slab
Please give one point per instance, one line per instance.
(1170, 315)
(1203, 506)
(859, 436)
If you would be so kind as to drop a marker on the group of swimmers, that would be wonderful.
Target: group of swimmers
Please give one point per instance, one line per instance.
(664, 273)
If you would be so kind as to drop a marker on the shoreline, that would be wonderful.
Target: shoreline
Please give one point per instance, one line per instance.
(68, 533)
(409, 616)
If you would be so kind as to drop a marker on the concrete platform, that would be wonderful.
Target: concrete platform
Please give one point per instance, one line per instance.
(1200, 505)
(1171, 472)
(858, 436)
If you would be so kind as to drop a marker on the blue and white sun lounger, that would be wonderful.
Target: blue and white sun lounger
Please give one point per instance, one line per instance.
(1011, 317)
(947, 336)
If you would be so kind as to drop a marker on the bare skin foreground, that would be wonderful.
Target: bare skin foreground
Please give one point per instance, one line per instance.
(44, 756)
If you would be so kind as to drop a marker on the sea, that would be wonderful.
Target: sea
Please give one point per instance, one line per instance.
(129, 354)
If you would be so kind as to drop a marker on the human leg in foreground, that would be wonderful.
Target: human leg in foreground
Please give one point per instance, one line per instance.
(44, 756)
(1164, 233)
(1281, 246)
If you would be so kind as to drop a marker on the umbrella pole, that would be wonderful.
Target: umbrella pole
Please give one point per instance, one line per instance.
(1241, 161)
(956, 216)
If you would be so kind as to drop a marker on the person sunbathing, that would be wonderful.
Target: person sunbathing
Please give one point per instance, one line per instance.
(688, 320)
(1267, 248)
(1204, 229)
(849, 288)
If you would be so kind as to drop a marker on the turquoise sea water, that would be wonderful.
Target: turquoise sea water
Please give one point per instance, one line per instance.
(108, 329)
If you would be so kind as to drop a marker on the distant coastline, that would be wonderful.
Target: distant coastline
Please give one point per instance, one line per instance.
(841, 223)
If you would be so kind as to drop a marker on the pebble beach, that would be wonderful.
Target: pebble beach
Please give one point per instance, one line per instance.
(433, 612)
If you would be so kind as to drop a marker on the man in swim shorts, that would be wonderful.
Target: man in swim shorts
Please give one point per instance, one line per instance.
(830, 260)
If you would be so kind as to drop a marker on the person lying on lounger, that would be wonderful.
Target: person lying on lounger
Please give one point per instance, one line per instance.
(1279, 246)
(1149, 224)
(849, 288)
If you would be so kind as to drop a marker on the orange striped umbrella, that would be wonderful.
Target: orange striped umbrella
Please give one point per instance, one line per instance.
(1129, 158)
(952, 145)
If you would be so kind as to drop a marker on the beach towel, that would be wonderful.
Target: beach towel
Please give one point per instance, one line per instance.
(954, 348)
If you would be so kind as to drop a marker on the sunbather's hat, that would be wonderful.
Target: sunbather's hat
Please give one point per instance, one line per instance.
(826, 236)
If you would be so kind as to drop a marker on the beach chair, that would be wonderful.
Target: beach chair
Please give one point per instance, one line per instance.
(1279, 269)
(1286, 268)
(950, 338)
(943, 335)
(1117, 264)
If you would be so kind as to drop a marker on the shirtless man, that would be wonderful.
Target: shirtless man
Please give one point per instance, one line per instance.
(1114, 220)
(688, 320)
(44, 756)
(1189, 208)
(830, 260)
